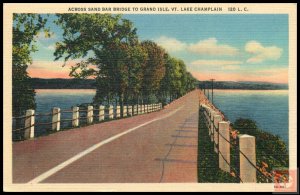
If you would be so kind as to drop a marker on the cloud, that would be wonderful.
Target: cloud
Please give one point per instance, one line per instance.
(52, 65)
(215, 65)
(171, 44)
(51, 47)
(203, 47)
(211, 47)
(215, 62)
(262, 53)
(52, 69)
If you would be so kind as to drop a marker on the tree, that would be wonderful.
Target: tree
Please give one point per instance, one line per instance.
(176, 81)
(154, 68)
(191, 82)
(136, 59)
(109, 49)
(25, 30)
(125, 69)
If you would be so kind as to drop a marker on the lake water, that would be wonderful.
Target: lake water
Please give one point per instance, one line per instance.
(46, 99)
(269, 108)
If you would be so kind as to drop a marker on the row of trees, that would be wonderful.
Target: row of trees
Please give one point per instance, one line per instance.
(126, 70)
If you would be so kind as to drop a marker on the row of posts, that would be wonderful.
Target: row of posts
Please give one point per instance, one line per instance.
(56, 115)
(246, 144)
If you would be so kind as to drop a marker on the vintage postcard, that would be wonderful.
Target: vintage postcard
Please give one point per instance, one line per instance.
(150, 97)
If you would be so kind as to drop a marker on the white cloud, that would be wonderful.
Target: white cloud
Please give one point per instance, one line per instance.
(262, 53)
(51, 47)
(211, 47)
(204, 47)
(171, 44)
(216, 64)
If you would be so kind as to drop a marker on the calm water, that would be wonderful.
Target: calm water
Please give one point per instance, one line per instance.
(269, 108)
(46, 99)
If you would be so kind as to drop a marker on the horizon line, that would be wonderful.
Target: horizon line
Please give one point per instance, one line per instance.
(197, 80)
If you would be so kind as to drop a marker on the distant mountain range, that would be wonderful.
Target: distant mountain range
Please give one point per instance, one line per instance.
(39, 83)
(242, 85)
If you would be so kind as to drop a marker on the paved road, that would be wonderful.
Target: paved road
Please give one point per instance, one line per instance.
(150, 148)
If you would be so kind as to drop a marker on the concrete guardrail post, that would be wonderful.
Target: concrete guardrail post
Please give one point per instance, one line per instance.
(212, 113)
(135, 107)
(217, 119)
(118, 114)
(247, 147)
(129, 110)
(55, 119)
(29, 124)
(124, 111)
(224, 146)
(75, 116)
(90, 114)
(111, 112)
(101, 113)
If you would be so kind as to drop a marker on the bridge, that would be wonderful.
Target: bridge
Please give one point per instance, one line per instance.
(150, 148)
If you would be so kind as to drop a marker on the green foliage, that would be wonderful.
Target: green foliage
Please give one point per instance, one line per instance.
(271, 154)
(270, 149)
(125, 69)
(154, 68)
(208, 167)
(26, 28)
(113, 43)
(177, 81)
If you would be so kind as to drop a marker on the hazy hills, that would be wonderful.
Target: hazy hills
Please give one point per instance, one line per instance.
(39, 83)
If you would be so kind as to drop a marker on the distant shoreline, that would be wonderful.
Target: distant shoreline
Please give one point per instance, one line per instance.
(39, 83)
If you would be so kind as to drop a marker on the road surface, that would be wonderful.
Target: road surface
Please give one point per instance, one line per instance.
(149, 148)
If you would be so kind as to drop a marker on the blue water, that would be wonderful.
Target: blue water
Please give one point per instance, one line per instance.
(46, 99)
(269, 108)
(65, 99)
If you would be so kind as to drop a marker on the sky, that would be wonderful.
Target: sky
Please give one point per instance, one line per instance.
(227, 47)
